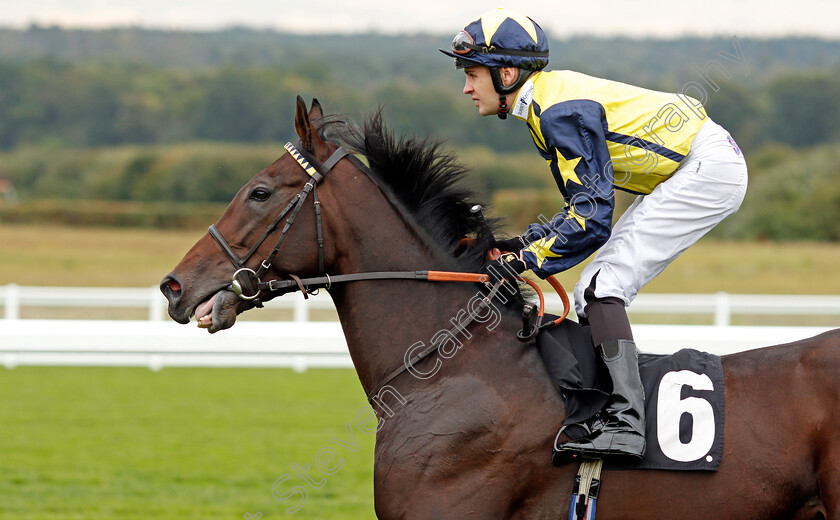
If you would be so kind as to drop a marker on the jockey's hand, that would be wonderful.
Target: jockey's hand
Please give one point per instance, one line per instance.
(512, 245)
(509, 265)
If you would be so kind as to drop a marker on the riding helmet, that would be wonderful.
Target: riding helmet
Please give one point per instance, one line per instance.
(501, 38)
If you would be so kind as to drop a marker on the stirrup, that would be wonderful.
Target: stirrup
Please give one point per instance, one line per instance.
(560, 457)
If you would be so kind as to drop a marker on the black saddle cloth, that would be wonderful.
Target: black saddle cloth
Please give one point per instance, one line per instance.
(584, 383)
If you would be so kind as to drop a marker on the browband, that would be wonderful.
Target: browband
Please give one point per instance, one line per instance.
(311, 166)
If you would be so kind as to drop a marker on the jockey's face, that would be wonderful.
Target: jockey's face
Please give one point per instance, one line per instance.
(479, 86)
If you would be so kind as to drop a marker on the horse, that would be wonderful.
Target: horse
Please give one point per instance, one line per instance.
(467, 430)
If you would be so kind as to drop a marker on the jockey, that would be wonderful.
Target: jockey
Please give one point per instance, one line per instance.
(598, 135)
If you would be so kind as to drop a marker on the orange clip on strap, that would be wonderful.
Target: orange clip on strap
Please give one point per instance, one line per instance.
(449, 276)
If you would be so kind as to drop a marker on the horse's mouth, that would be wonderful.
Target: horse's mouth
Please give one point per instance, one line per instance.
(218, 311)
(203, 310)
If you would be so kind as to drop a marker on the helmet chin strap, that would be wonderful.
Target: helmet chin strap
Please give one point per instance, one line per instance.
(503, 91)
(503, 108)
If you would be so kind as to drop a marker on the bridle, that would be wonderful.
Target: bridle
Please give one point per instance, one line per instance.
(247, 284)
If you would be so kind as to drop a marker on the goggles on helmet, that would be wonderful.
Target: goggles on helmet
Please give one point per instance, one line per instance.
(464, 44)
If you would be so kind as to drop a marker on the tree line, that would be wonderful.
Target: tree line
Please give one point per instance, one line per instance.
(85, 105)
(98, 88)
(794, 193)
(132, 115)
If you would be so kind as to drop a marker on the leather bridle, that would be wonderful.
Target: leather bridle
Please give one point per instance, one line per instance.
(246, 282)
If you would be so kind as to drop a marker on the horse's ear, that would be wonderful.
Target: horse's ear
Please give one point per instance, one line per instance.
(309, 137)
(316, 112)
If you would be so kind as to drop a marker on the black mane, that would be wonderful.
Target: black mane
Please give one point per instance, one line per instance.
(426, 180)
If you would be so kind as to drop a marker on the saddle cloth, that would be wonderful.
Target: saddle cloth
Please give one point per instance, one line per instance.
(684, 405)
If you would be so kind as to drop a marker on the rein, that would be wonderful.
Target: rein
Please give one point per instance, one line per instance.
(247, 284)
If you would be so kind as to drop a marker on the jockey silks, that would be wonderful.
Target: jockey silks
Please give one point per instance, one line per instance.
(599, 135)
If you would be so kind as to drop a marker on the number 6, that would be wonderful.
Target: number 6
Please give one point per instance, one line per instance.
(669, 411)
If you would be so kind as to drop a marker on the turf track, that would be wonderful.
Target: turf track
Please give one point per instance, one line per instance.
(102, 443)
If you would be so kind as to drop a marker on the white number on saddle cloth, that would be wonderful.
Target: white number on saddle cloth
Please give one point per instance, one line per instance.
(670, 409)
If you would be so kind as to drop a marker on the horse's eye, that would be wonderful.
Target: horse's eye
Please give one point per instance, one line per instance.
(260, 194)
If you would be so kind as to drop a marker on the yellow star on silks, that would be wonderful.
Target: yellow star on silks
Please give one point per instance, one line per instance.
(567, 168)
(491, 20)
(541, 249)
(580, 220)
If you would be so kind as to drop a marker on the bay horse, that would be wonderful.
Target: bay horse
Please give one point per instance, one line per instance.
(468, 433)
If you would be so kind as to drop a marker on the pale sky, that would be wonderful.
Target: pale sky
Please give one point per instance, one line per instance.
(660, 18)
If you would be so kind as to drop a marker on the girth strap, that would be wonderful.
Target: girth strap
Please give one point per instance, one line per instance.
(585, 491)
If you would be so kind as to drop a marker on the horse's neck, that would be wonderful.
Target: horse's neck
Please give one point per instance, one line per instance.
(383, 320)
(386, 322)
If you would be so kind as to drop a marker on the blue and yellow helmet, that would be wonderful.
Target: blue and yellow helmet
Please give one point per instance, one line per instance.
(501, 38)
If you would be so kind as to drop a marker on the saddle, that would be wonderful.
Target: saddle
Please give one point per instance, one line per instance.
(684, 403)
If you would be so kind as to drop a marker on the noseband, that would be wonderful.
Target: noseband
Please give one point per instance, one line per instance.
(246, 282)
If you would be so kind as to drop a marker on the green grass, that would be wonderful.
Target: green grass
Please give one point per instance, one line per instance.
(128, 443)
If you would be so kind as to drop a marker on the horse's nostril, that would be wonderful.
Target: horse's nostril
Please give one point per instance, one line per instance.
(170, 287)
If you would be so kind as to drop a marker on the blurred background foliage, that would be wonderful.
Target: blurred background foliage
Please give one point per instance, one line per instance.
(153, 124)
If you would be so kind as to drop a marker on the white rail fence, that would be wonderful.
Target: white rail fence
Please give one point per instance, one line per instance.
(14, 297)
(301, 343)
(722, 306)
(157, 344)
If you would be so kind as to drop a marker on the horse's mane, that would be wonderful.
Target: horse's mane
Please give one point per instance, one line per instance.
(426, 180)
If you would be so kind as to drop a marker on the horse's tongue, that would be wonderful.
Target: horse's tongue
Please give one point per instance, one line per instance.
(205, 308)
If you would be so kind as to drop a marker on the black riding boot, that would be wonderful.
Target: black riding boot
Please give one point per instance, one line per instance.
(623, 434)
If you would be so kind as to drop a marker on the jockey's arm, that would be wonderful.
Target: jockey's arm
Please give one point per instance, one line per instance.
(576, 150)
